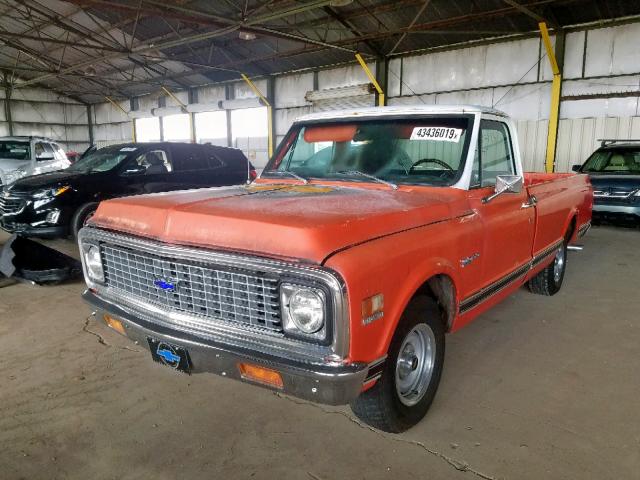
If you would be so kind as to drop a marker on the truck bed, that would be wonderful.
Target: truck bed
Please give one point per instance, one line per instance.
(560, 197)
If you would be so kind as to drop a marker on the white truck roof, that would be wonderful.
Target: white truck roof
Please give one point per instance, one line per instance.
(400, 110)
(26, 138)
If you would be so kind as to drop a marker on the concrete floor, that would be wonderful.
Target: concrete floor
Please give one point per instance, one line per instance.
(536, 388)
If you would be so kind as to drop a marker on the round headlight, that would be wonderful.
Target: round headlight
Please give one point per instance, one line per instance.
(93, 262)
(306, 308)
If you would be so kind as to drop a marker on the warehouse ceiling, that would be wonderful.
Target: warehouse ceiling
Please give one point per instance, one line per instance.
(89, 49)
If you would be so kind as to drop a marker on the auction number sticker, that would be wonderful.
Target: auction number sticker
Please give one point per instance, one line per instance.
(442, 134)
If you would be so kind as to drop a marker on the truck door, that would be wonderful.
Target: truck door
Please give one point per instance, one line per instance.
(508, 223)
(45, 158)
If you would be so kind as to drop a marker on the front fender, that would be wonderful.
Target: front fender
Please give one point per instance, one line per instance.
(396, 266)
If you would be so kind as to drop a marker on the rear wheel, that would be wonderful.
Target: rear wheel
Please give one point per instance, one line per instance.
(549, 281)
(84, 213)
(403, 394)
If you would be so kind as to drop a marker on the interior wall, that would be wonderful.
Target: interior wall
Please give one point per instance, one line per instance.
(601, 90)
(45, 113)
(111, 125)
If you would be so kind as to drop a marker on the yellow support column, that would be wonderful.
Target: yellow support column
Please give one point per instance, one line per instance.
(556, 90)
(269, 111)
(133, 123)
(181, 104)
(372, 79)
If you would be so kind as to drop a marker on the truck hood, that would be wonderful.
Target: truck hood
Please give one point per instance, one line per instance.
(624, 181)
(299, 222)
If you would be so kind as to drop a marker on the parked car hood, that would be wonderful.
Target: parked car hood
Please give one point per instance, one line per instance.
(301, 222)
(625, 182)
(46, 180)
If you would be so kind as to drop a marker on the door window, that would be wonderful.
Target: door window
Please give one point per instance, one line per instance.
(188, 158)
(495, 155)
(58, 152)
(44, 151)
(155, 162)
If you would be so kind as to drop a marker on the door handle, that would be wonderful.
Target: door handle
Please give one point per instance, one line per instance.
(530, 203)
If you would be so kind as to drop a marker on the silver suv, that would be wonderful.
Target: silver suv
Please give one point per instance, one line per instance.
(24, 156)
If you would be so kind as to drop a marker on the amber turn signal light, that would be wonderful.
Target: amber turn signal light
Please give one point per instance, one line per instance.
(261, 375)
(115, 324)
(372, 308)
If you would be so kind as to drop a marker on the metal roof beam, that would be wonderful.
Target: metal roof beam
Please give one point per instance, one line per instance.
(22, 36)
(186, 40)
(429, 27)
(530, 13)
(349, 26)
(413, 22)
(204, 18)
(51, 63)
(63, 23)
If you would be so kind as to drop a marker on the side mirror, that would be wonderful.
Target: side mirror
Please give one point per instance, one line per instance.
(44, 157)
(576, 168)
(505, 184)
(134, 170)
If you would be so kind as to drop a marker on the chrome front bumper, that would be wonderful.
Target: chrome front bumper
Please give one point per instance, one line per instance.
(319, 383)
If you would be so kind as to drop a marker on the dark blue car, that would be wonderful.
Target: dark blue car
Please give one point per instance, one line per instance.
(614, 170)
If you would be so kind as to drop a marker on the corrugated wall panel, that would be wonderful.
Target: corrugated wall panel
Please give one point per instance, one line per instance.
(578, 137)
(532, 138)
(635, 127)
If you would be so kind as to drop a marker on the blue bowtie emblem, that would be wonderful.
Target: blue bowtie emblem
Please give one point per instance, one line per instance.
(164, 285)
(168, 356)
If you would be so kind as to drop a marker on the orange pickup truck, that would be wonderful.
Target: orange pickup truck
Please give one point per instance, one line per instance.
(335, 276)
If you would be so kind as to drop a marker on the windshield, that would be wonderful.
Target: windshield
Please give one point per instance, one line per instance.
(100, 161)
(613, 161)
(429, 150)
(15, 150)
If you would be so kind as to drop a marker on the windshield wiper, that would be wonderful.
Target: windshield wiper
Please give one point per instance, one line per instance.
(370, 177)
(290, 173)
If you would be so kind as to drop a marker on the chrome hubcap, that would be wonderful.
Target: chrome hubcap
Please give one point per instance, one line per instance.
(558, 265)
(415, 363)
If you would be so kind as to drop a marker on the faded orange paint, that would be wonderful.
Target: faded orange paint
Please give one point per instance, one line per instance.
(378, 239)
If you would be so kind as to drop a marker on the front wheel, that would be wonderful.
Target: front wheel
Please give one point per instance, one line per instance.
(403, 394)
(549, 281)
(80, 218)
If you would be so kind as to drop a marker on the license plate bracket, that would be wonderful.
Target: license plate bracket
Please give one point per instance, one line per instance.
(170, 355)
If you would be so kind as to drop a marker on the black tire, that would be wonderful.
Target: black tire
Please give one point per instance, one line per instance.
(81, 216)
(381, 406)
(549, 281)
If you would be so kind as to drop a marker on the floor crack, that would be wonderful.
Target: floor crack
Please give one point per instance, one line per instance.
(461, 466)
(101, 339)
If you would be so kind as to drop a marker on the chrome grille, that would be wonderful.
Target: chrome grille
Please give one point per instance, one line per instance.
(11, 205)
(214, 293)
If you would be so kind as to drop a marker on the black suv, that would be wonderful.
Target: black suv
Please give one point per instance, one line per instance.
(57, 204)
(614, 171)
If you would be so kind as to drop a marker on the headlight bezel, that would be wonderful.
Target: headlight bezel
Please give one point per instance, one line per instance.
(85, 249)
(47, 193)
(288, 288)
